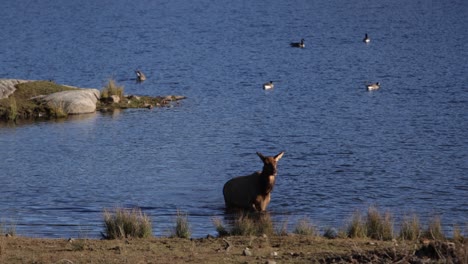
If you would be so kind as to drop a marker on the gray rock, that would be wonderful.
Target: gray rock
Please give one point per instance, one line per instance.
(75, 101)
(7, 86)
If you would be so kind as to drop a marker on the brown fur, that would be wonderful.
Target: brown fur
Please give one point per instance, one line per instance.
(252, 192)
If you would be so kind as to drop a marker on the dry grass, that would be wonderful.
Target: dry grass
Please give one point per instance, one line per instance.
(125, 223)
(410, 228)
(356, 228)
(182, 228)
(247, 224)
(379, 227)
(434, 229)
(305, 227)
(112, 88)
(374, 226)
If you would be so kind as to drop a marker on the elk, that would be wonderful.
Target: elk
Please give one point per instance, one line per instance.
(252, 192)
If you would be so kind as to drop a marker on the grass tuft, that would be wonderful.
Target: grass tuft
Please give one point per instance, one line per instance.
(410, 228)
(379, 227)
(7, 228)
(112, 88)
(182, 228)
(357, 228)
(434, 229)
(125, 223)
(304, 227)
(247, 224)
(220, 228)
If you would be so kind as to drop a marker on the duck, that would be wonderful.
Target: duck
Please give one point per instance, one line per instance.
(140, 76)
(268, 85)
(298, 44)
(366, 39)
(373, 86)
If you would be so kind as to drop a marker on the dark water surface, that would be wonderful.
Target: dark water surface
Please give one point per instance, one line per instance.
(403, 148)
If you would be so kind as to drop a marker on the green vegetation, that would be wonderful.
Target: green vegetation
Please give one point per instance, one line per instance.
(25, 102)
(21, 104)
(182, 228)
(125, 223)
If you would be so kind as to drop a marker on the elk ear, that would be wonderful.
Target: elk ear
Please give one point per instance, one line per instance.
(261, 156)
(279, 156)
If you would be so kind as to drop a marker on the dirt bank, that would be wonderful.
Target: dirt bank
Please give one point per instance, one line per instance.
(276, 249)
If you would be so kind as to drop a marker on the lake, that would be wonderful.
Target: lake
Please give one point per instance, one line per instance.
(402, 148)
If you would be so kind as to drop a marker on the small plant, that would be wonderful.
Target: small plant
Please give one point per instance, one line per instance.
(7, 229)
(330, 233)
(57, 109)
(12, 110)
(252, 224)
(357, 228)
(125, 223)
(220, 227)
(410, 228)
(182, 228)
(304, 227)
(378, 227)
(458, 234)
(434, 229)
(112, 88)
(282, 230)
(78, 245)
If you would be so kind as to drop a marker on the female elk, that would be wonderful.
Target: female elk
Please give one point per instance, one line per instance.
(252, 192)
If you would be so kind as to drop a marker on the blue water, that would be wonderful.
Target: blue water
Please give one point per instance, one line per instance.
(403, 148)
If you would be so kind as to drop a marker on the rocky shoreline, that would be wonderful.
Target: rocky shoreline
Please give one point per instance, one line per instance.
(39, 99)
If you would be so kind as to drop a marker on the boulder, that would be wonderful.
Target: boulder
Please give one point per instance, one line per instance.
(7, 86)
(73, 102)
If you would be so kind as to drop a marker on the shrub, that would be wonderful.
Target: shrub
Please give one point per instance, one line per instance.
(182, 228)
(125, 223)
(111, 88)
(410, 228)
(304, 227)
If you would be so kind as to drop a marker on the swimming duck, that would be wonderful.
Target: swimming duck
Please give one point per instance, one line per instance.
(298, 44)
(140, 76)
(268, 85)
(366, 39)
(373, 86)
